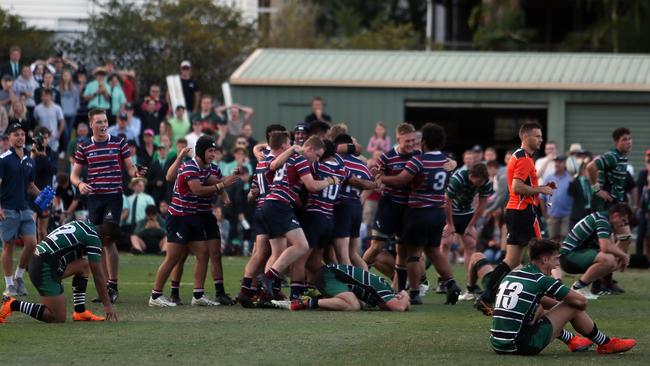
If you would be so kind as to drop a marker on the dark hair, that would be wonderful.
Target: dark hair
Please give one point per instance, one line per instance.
(317, 98)
(527, 127)
(620, 132)
(492, 164)
(46, 91)
(343, 138)
(318, 127)
(151, 210)
(621, 209)
(479, 171)
(181, 140)
(271, 128)
(94, 112)
(62, 179)
(433, 136)
(538, 248)
(42, 130)
(277, 139)
(330, 150)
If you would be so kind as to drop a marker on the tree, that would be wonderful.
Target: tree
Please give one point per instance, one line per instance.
(34, 43)
(154, 37)
(294, 26)
(500, 25)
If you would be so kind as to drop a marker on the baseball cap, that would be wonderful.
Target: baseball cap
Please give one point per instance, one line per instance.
(123, 116)
(186, 64)
(149, 132)
(15, 127)
(477, 148)
(560, 158)
(128, 106)
(300, 127)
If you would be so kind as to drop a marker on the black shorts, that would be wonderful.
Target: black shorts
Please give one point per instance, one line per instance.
(185, 229)
(278, 218)
(210, 226)
(389, 219)
(104, 208)
(461, 221)
(258, 223)
(318, 229)
(347, 219)
(423, 226)
(522, 226)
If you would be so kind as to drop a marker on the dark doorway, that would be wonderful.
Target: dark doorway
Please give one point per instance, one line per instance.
(469, 124)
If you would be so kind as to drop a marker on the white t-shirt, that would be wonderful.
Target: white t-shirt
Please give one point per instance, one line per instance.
(550, 168)
(49, 117)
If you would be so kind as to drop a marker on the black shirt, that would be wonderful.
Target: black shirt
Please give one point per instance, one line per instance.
(189, 88)
(66, 195)
(312, 118)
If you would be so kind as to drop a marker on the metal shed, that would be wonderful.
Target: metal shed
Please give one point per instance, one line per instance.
(479, 97)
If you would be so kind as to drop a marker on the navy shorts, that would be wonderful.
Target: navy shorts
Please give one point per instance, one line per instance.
(104, 208)
(423, 226)
(461, 221)
(347, 219)
(210, 226)
(258, 223)
(390, 216)
(318, 229)
(185, 229)
(278, 218)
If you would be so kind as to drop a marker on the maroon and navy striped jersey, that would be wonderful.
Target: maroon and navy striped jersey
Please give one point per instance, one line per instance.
(184, 202)
(286, 183)
(430, 180)
(262, 178)
(392, 163)
(104, 161)
(356, 168)
(323, 202)
(205, 203)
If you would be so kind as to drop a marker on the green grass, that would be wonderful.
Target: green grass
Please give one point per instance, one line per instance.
(427, 334)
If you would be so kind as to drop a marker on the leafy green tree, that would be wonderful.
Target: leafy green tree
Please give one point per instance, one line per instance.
(34, 43)
(500, 25)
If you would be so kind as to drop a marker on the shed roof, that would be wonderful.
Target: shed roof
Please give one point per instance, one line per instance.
(445, 69)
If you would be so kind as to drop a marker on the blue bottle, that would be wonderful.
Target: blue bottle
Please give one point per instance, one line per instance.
(44, 198)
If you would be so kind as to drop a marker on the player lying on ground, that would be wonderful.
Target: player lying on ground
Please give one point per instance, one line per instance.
(348, 288)
(521, 326)
(60, 255)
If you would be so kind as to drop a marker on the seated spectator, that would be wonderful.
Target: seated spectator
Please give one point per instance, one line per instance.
(163, 208)
(157, 186)
(121, 128)
(149, 236)
(379, 139)
(155, 94)
(147, 152)
(150, 117)
(240, 160)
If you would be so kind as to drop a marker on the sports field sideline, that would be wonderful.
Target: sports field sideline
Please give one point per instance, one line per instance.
(433, 332)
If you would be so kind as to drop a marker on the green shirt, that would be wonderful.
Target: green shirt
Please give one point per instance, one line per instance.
(117, 99)
(586, 232)
(612, 173)
(99, 101)
(70, 242)
(461, 191)
(180, 128)
(366, 286)
(517, 301)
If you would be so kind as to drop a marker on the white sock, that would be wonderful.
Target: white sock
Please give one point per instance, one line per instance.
(9, 280)
(19, 272)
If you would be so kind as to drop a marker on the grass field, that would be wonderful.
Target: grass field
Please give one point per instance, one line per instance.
(433, 332)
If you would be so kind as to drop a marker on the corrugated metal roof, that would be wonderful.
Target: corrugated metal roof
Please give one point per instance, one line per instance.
(445, 69)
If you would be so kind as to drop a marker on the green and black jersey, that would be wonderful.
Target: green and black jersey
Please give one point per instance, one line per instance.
(518, 298)
(461, 191)
(367, 287)
(612, 173)
(586, 232)
(70, 242)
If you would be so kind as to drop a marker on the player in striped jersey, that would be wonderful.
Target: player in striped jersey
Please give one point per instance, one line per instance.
(63, 254)
(104, 156)
(347, 210)
(277, 210)
(589, 248)
(521, 326)
(348, 288)
(260, 186)
(425, 217)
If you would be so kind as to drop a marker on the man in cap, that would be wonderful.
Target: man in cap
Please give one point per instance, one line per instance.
(98, 91)
(191, 91)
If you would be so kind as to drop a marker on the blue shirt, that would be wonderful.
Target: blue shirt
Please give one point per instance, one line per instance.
(561, 201)
(16, 175)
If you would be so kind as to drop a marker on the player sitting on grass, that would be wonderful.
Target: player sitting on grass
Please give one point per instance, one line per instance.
(521, 326)
(348, 288)
(58, 256)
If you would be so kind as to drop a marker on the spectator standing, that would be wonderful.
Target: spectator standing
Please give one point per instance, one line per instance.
(98, 91)
(118, 99)
(193, 136)
(4, 120)
(235, 122)
(180, 125)
(45, 167)
(147, 151)
(121, 128)
(39, 68)
(580, 190)
(317, 112)
(18, 114)
(48, 84)
(49, 115)
(157, 186)
(12, 67)
(379, 139)
(134, 122)
(25, 84)
(164, 132)
(80, 137)
(161, 107)
(207, 118)
(7, 95)
(59, 63)
(191, 91)
(69, 104)
(150, 117)
(82, 81)
(545, 165)
(557, 207)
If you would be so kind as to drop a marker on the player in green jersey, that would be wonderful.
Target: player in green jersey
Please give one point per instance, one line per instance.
(348, 288)
(590, 248)
(71, 250)
(521, 326)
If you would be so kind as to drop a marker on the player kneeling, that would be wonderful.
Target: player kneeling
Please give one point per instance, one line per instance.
(521, 326)
(58, 256)
(348, 288)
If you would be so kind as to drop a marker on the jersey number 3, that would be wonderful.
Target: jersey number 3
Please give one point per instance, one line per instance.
(508, 295)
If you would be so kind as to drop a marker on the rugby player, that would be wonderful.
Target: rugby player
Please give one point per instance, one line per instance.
(277, 211)
(597, 246)
(424, 219)
(104, 156)
(349, 288)
(520, 214)
(60, 255)
(521, 326)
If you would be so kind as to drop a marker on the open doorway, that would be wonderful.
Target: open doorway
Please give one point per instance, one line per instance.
(470, 124)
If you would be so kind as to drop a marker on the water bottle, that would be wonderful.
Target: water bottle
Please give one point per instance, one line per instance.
(44, 198)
